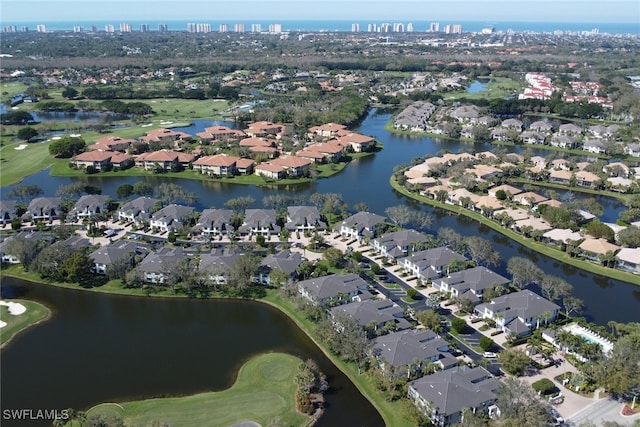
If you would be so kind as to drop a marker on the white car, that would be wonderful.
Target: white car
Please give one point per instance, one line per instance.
(489, 355)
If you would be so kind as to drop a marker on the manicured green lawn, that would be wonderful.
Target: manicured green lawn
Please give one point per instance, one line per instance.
(16, 164)
(35, 313)
(264, 390)
(498, 88)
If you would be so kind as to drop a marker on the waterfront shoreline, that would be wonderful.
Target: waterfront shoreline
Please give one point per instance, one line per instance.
(528, 243)
(29, 325)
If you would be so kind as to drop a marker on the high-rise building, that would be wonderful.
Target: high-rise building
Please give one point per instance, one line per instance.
(434, 27)
(372, 28)
(94, 28)
(256, 28)
(223, 28)
(275, 28)
(355, 27)
(198, 28)
(77, 29)
(125, 27)
(41, 28)
(109, 28)
(239, 28)
(384, 27)
(163, 28)
(398, 27)
(24, 29)
(410, 27)
(144, 28)
(10, 29)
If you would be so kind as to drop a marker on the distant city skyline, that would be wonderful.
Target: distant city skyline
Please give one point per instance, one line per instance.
(596, 11)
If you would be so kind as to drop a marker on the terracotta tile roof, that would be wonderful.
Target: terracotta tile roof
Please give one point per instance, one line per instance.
(257, 142)
(244, 163)
(158, 156)
(291, 161)
(94, 156)
(269, 167)
(217, 160)
(598, 246)
(119, 158)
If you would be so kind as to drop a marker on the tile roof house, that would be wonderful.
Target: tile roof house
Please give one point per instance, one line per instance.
(285, 261)
(138, 210)
(163, 159)
(413, 349)
(629, 260)
(217, 264)
(165, 135)
(43, 209)
(217, 133)
(90, 205)
(259, 221)
(360, 225)
(112, 143)
(99, 160)
(443, 396)
(561, 177)
(470, 283)
(159, 266)
(7, 211)
(592, 248)
(398, 244)
(561, 236)
(356, 141)
(529, 198)
(520, 312)
(430, 263)
(170, 217)
(264, 128)
(336, 287)
(294, 166)
(120, 251)
(587, 179)
(214, 223)
(217, 165)
(326, 130)
(304, 218)
(270, 171)
(373, 314)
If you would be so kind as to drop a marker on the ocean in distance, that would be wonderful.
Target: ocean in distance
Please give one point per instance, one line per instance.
(337, 25)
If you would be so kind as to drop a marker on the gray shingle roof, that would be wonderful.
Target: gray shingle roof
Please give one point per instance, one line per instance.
(109, 254)
(403, 348)
(304, 215)
(376, 311)
(325, 287)
(362, 221)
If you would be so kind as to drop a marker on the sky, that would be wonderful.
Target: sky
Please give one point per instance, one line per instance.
(597, 11)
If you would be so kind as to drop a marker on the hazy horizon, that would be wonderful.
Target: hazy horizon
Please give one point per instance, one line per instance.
(562, 11)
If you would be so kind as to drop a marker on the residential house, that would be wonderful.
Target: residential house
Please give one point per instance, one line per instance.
(285, 261)
(163, 160)
(398, 244)
(218, 263)
(7, 211)
(501, 134)
(170, 218)
(217, 165)
(111, 143)
(617, 169)
(532, 137)
(294, 166)
(161, 267)
(431, 263)
(6, 257)
(561, 177)
(33, 236)
(541, 126)
(587, 179)
(520, 312)
(562, 236)
(560, 164)
(138, 210)
(43, 209)
(373, 314)
(117, 252)
(265, 128)
(90, 205)
(259, 222)
(245, 166)
(568, 142)
(513, 124)
(99, 160)
(443, 396)
(270, 171)
(529, 198)
(531, 223)
(569, 129)
(632, 150)
(327, 130)
(218, 133)
(340, 288)
(357, 141)
(592, 249)
(594, 146)
(163, 135)
(304, 218)
(628, 259)
(214, 223)
(360, 225)
(619, 184)
(466, 113)
(331, 151)
(412, 350)
(470, 283)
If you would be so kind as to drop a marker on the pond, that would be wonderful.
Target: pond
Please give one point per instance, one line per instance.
(106, 348)
(477, 86)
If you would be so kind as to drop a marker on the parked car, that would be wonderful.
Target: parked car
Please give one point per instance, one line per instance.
(489, 355)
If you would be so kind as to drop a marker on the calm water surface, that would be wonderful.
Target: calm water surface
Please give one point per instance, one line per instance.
(104, 348)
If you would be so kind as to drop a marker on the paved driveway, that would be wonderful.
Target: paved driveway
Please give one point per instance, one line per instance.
(600, 411)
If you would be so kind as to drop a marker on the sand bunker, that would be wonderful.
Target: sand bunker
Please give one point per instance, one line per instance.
(15, 308)
(20, 147)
